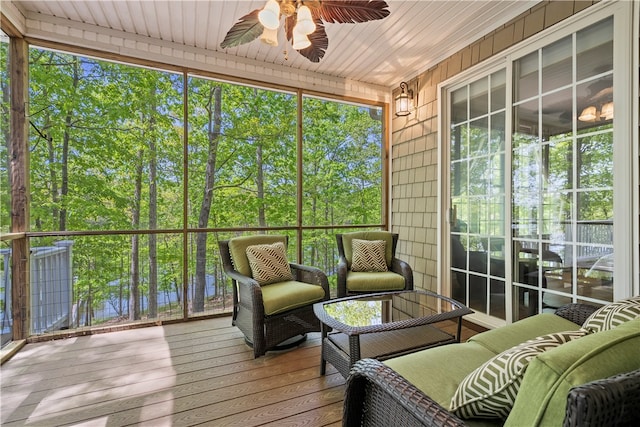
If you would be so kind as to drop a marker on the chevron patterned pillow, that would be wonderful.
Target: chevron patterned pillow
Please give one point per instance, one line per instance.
(269, 263)
(368, 255)
(612, 315)
(490, 390)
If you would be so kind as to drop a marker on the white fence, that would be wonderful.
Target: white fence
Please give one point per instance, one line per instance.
(51, 288)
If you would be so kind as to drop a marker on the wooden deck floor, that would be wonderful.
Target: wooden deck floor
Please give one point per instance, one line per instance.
(187, 374)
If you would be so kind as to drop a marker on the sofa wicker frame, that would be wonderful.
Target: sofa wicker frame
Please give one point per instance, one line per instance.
(613, 401)
(264, 332)
(377, 396)
(397, 266)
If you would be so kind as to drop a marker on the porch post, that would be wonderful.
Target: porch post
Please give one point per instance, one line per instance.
(19, 176)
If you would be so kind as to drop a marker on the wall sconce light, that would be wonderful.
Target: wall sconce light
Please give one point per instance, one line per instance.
(403, 100)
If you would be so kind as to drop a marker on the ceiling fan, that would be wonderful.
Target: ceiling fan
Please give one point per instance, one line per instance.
(303, 23)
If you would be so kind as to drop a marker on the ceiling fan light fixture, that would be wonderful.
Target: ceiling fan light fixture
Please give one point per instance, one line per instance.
(607, 111)
(300, 40)
(305, 22)
(269, 16)
(269, 36)
(589, 114)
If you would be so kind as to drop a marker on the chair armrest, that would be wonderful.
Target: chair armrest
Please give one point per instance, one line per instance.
(342, 271)
(378, 396)
(404, 269)
(241, 278)
(576, 312)
(610, 401)
(311, 275)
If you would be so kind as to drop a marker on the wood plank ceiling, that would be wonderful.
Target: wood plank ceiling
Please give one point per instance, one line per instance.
(415, 36)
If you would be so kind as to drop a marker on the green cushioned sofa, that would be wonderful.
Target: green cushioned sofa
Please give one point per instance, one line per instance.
(416, 389)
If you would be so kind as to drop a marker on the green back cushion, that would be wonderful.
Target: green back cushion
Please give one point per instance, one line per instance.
(501, 339)
(550, 375)
(238, 249)
(368, 235)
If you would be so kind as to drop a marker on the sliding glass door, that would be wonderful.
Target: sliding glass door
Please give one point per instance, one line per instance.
(531, 178)
(562, 171)
(477, 150)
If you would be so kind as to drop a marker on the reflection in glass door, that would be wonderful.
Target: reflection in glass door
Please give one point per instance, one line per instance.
(562, 172)
(477, 191)
(535, 138)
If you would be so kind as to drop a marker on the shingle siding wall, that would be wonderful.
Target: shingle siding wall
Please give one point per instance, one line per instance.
(414, 139)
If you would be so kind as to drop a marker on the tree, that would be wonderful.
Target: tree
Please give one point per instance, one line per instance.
(214, 115)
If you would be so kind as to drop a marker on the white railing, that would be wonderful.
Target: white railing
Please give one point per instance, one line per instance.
(51, 287)
(5, 298)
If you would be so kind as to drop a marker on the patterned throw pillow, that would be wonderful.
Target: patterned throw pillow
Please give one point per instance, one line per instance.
(368, 255)
(490, 390)
(269, 263)
(612, 315)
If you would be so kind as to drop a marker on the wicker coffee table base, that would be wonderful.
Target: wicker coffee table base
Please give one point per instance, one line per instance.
(342, 350)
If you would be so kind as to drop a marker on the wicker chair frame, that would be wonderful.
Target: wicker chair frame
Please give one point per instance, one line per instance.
(264, 332)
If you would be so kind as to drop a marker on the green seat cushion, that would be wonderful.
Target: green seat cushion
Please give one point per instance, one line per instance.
(438, 371)
(550, 376)
(503, 338)
(284, 296)
(374, 281)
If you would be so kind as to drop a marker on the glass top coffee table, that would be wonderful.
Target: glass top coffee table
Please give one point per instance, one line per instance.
(384, 325)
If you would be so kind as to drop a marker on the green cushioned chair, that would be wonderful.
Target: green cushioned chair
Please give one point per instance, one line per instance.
(398, 277)
(277, 315)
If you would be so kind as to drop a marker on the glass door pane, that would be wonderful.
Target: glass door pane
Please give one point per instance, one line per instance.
(562, 173)
(477, 185)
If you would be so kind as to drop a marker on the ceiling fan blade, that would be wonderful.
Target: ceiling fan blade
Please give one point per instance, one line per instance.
(319, 44)
(289, 23)
(353, 11)
(246, 30)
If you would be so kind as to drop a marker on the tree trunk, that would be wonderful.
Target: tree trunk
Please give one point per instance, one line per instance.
(153, 213)
(262, 220)
(214, 109)
(134, 293)
(55, 198)
(64, 185)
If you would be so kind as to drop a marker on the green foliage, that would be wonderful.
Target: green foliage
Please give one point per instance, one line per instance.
(100, 127)
(342, 148)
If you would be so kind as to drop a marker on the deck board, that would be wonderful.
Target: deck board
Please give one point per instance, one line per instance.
(186, 374)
